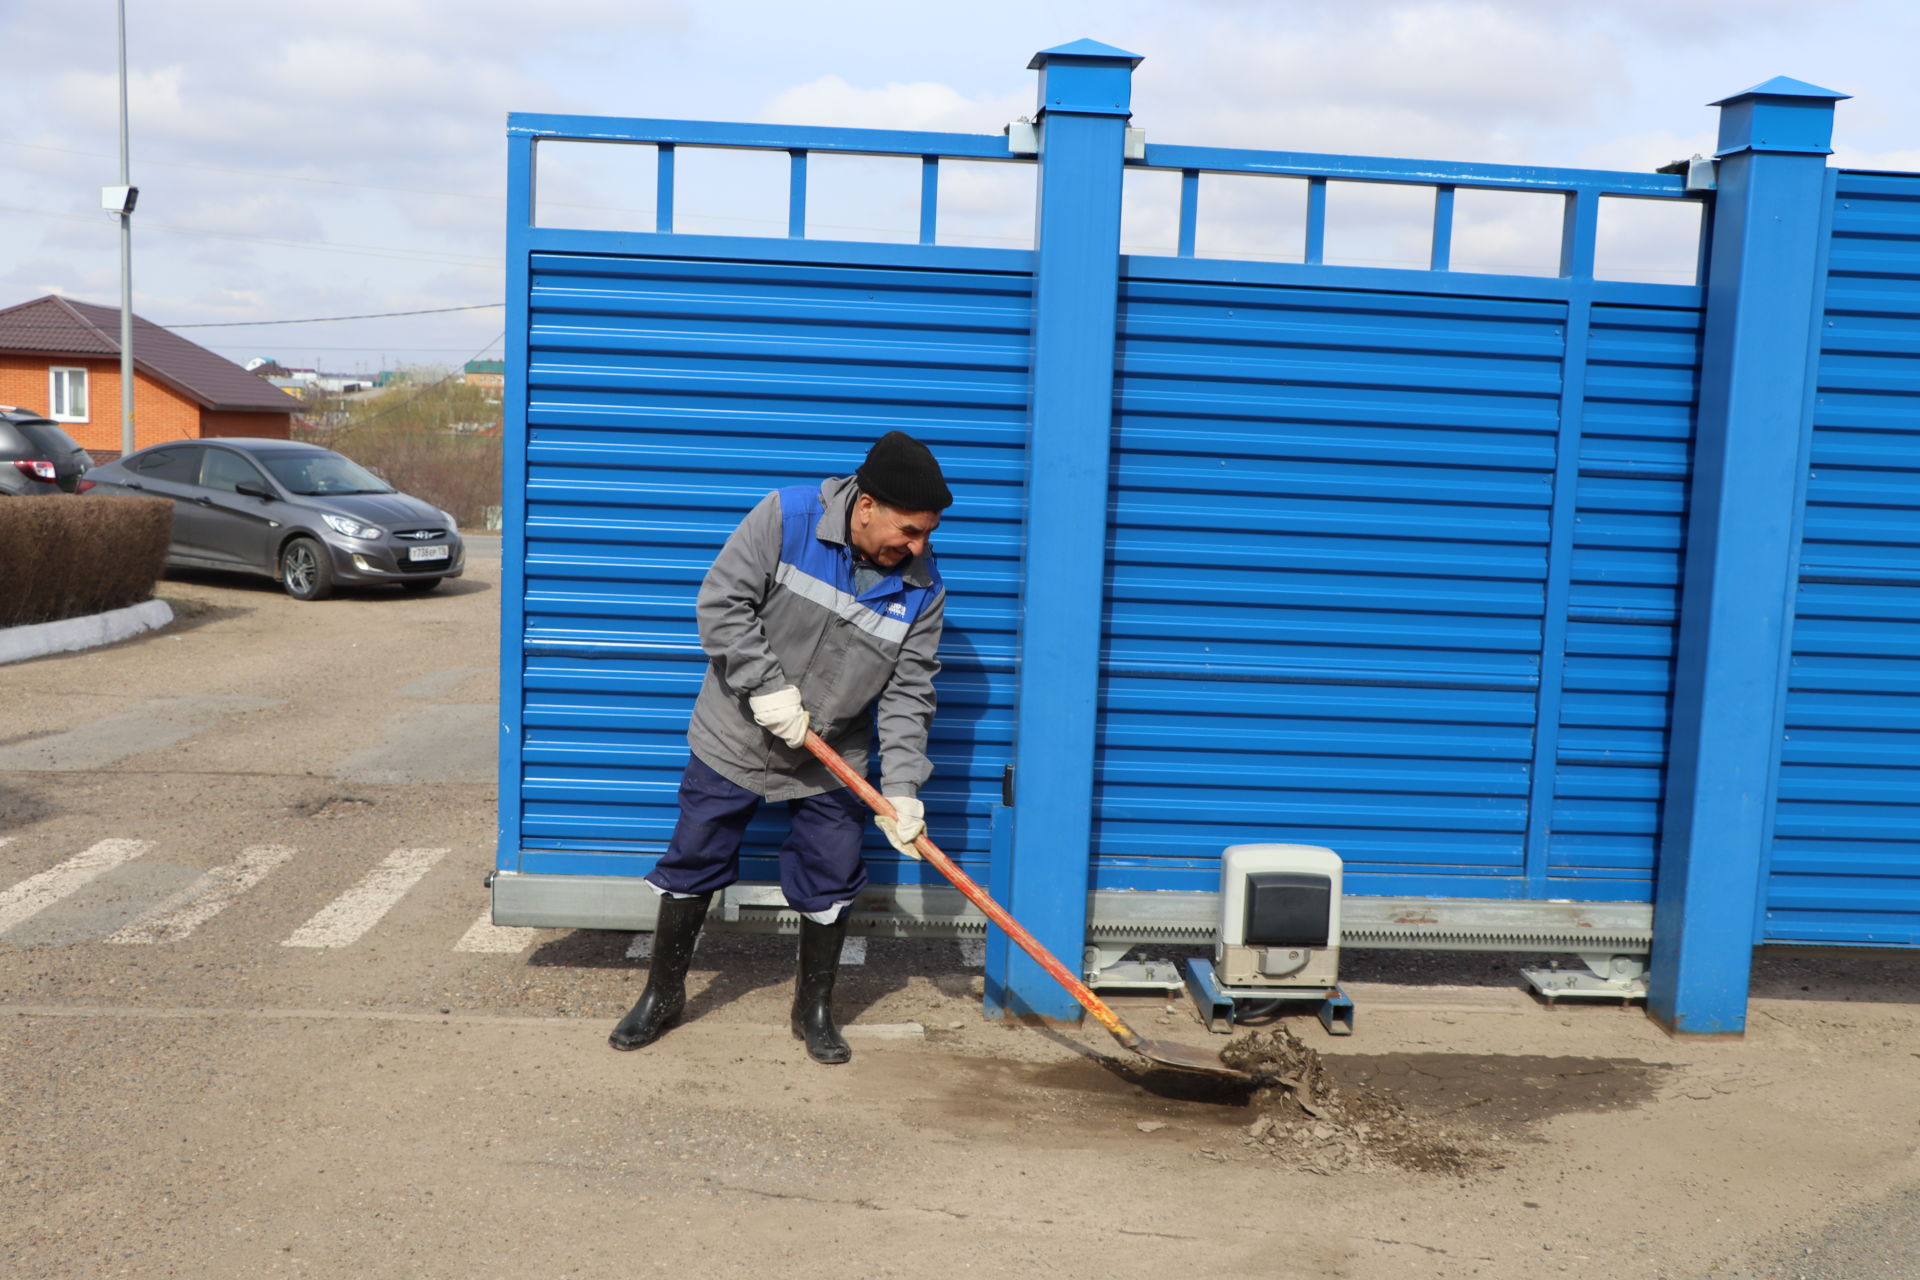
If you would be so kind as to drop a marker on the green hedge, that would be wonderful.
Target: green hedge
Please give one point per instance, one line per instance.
(69, 555)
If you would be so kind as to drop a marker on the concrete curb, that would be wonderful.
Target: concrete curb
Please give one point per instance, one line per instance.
(69, 635)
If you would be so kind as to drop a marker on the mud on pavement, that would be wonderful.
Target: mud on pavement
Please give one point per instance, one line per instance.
(1428, 1112)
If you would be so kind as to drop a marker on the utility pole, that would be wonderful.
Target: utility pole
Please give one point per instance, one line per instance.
(126, 256)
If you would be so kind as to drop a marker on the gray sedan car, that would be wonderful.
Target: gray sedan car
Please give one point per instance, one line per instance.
(302, 515)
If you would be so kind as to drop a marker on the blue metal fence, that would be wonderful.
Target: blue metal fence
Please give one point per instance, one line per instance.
(1386, 559)
(1846, 837)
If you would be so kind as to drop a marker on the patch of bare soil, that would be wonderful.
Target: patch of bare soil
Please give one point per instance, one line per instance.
(1307, 1119)
(21, 806)
(1432, 1113)
(331, 805)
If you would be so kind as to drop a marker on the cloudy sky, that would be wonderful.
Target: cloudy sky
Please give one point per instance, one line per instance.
(302, 160)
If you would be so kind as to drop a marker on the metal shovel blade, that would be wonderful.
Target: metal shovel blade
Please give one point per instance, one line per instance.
(1188, 1057)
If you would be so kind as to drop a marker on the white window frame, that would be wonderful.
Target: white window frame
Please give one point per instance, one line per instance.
(55, 401)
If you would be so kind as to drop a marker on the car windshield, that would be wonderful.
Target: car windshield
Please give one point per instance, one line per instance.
(318, 473)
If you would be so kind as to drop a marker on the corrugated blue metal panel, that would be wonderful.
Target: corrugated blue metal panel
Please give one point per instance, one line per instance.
(1330, 519)
(665, 397)
(1846, 841)
(1329, 577)
(1623, 601)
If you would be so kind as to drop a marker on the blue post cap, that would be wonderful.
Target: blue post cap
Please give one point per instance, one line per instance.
(1084, 49)
(1086, 78)
(1783, 114)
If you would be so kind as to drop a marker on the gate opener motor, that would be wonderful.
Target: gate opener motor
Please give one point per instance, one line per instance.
(1278, 940)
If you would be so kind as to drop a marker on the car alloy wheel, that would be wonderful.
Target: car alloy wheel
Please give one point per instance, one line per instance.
(305, 570)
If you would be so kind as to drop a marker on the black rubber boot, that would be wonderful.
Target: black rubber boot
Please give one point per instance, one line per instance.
(813, 991)
(660, 1005)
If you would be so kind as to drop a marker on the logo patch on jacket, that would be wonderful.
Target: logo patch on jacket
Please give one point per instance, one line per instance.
(897, 610)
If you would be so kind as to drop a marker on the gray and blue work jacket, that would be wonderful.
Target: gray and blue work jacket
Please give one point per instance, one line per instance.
(780, 607)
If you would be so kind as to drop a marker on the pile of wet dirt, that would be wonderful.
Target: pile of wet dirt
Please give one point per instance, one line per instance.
(1307, 1119)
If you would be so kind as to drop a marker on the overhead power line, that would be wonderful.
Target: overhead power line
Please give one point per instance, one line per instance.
(363, 250)
(493, 197)
(371, 315)
(642, 215)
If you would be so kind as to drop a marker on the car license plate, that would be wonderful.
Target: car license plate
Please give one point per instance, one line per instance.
(427, 553)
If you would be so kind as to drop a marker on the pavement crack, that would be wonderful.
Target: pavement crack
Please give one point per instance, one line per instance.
(862, 1203)
(876, 1207)
(1409, 1244)
(1415, 1244)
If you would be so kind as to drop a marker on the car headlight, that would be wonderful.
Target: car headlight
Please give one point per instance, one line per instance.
(352, 528)
(453, 526)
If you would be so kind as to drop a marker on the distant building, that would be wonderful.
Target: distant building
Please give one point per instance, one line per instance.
(488, 375)
(61, 357)
(340, 384)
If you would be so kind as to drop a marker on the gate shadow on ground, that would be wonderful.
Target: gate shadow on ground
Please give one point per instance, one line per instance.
(728, 967)
(1880, 975)
(1875, 975)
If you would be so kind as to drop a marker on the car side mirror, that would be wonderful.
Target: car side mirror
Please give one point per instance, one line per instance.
(251, 490)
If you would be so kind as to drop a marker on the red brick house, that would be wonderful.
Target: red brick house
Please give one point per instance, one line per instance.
(62, 358)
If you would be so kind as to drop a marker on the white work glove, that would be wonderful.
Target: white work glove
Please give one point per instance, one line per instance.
(908, 824)
(781, 714)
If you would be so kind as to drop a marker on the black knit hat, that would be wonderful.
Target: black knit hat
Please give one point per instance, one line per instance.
(902, 472)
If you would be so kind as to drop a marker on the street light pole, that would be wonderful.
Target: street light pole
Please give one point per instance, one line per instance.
(126, 259)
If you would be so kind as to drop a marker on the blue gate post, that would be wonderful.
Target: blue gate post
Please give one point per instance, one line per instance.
(1763, 292)
(513, 497)
(1085, 92)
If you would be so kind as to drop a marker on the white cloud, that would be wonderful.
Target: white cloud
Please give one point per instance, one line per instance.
(926, 105)
(1422, 79)
(1646, 151)
(379, 122)
(1902, 160)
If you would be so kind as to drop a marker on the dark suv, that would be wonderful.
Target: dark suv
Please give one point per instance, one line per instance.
(37, 457)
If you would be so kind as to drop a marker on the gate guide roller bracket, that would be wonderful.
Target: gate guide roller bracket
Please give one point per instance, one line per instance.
(1608, 977)
(1025, 136)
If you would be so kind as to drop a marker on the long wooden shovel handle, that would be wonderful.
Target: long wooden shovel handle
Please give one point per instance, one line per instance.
(979, 897)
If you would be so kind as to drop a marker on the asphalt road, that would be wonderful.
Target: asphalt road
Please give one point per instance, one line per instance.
(254, 1022)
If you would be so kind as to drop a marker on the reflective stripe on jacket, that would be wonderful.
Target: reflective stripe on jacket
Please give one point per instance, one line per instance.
(779, 607)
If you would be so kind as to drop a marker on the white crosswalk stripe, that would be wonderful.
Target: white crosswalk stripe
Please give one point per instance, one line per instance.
(486, 936)
(177, 918)
(174, 916)
(343, 921)
(36, 893)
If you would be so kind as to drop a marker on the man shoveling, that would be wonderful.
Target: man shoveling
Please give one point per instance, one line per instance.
(823, 611)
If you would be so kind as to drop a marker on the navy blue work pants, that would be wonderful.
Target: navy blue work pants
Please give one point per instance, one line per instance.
(820, 863)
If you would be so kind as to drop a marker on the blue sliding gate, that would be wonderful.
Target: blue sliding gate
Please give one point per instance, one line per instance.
(1394, 571)
(1476, 578)
(666, 396)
